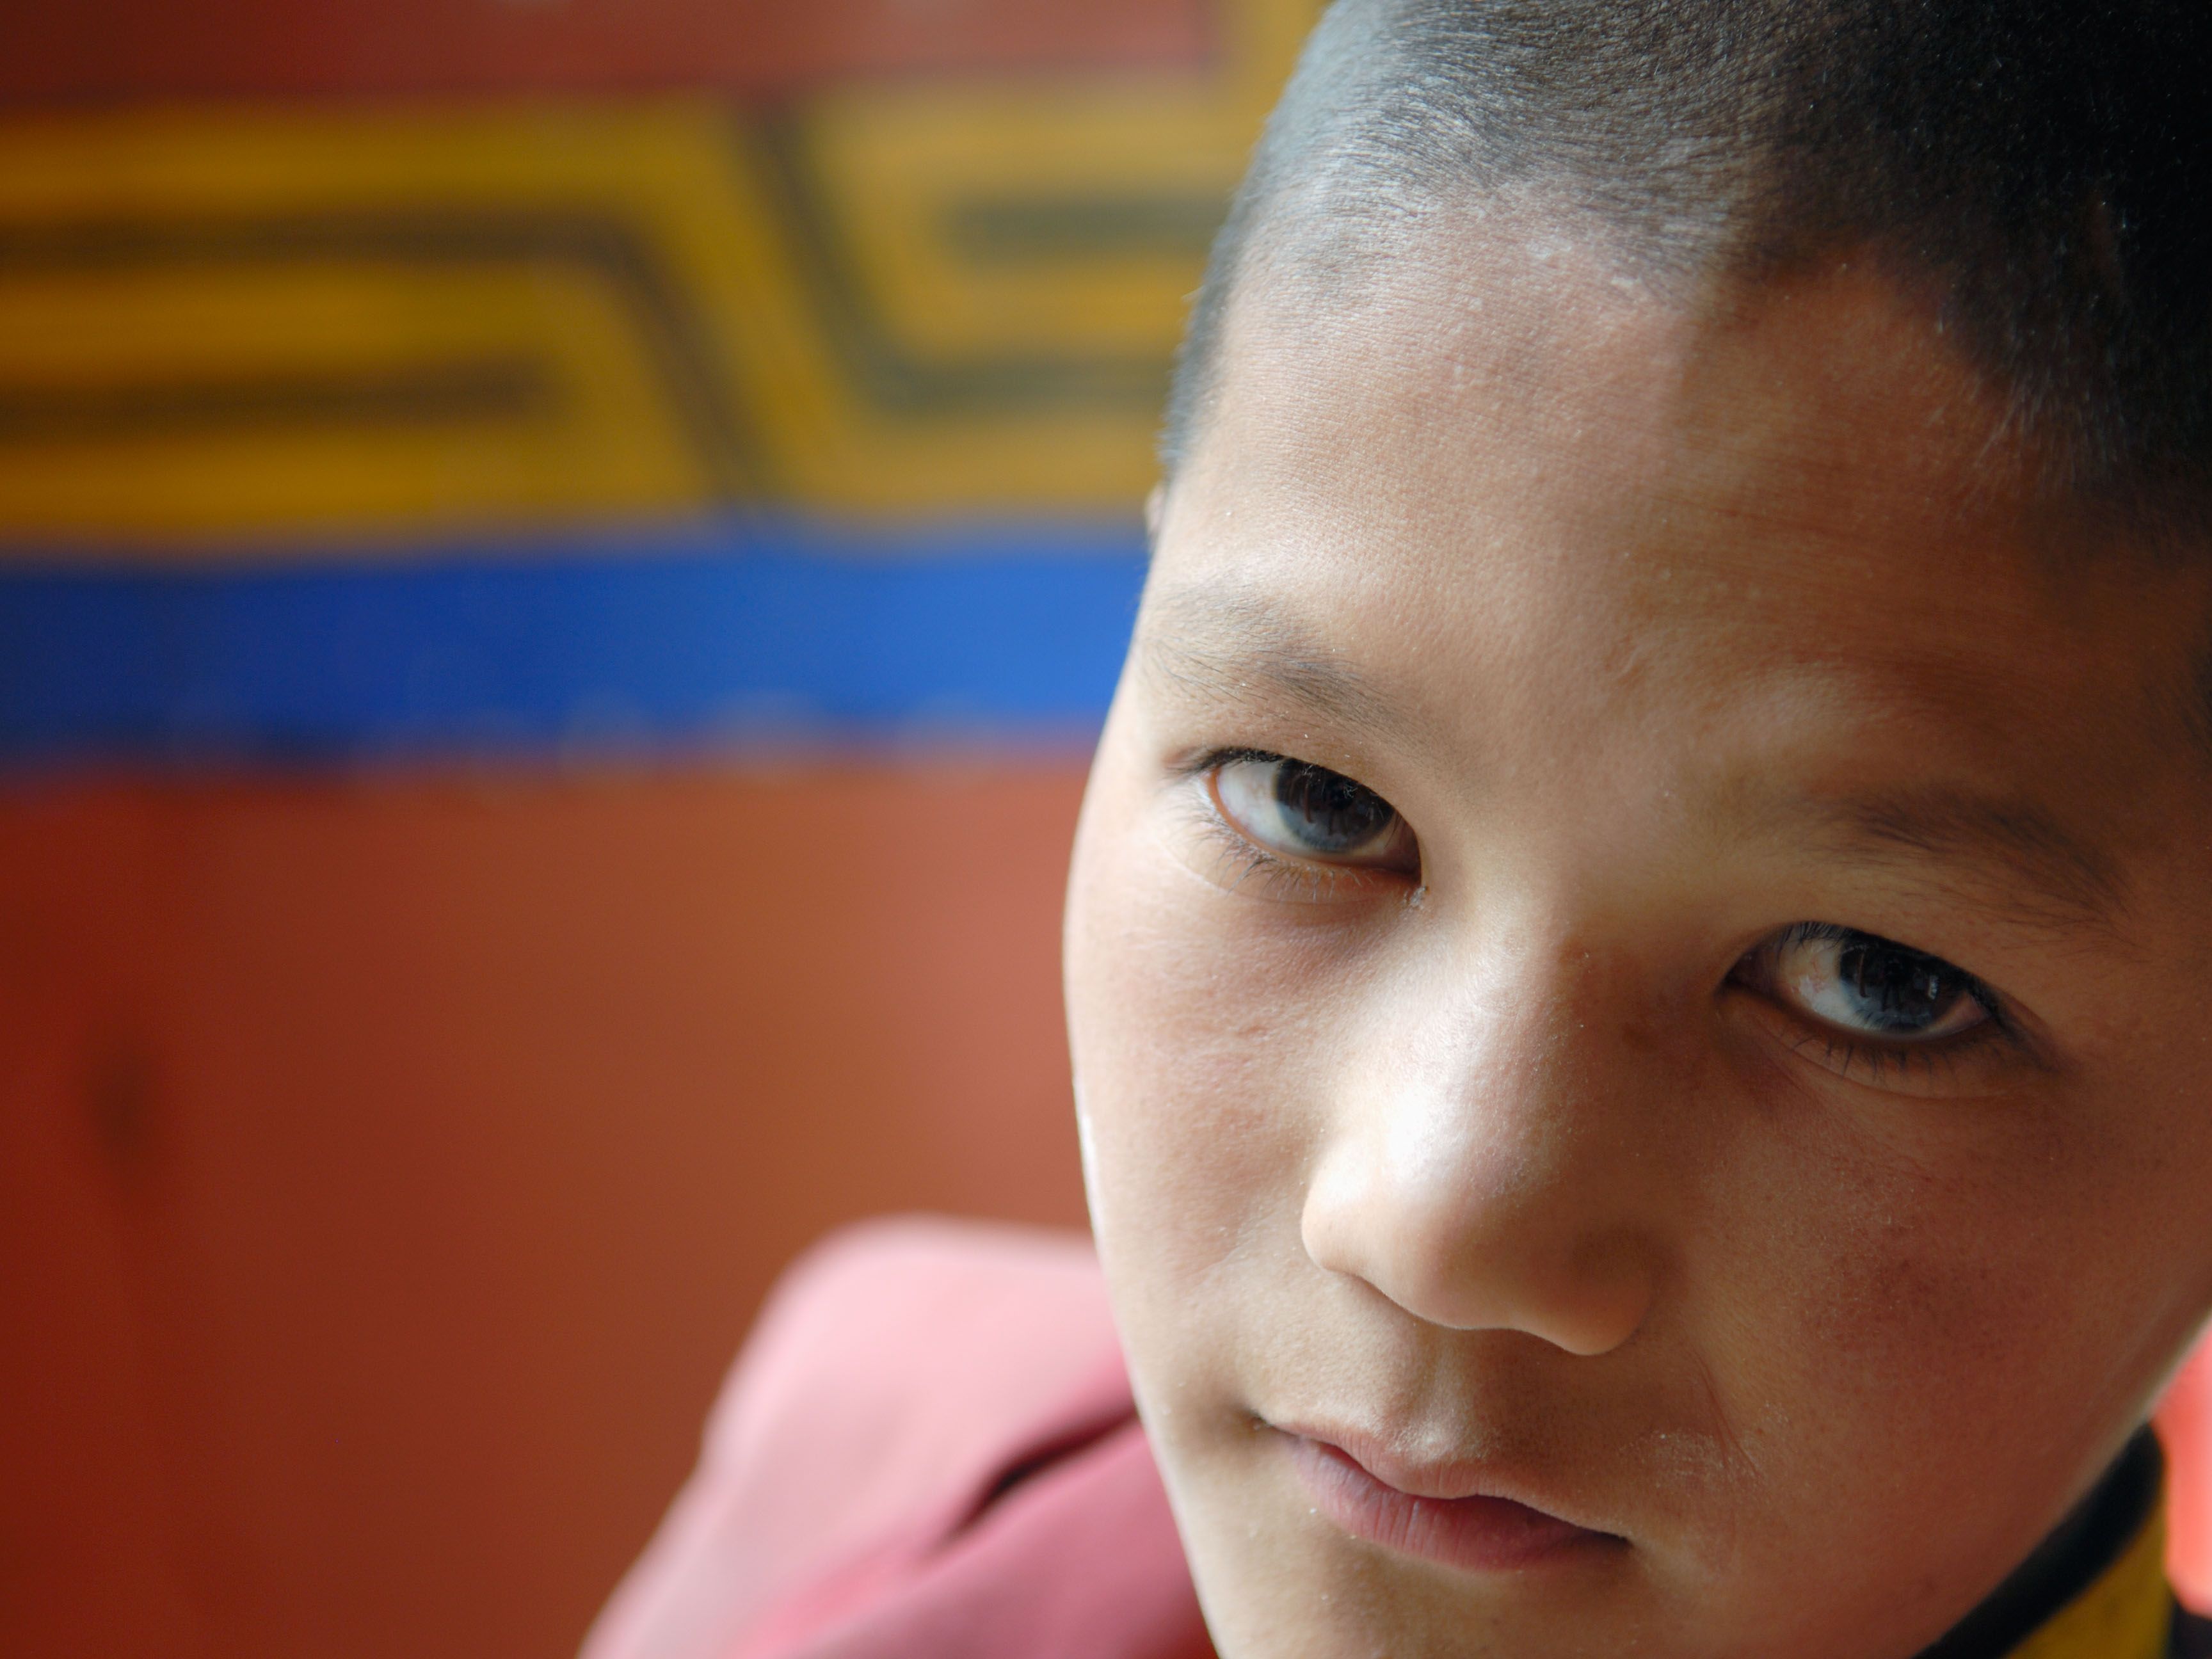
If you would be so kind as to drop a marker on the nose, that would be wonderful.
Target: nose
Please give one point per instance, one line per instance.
(1483, 1167)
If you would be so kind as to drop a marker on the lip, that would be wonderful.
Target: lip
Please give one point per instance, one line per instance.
(1469, 1530)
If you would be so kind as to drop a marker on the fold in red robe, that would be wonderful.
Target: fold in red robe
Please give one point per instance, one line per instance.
(927, 1450)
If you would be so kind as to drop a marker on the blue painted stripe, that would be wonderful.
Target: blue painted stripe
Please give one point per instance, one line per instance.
(759, 631)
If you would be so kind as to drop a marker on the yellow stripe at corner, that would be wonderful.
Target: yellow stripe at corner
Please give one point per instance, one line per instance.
(2128, 1614)
(244, 325)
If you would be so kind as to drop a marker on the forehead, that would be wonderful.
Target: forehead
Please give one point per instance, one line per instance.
(1510, 367)
(1504, 469)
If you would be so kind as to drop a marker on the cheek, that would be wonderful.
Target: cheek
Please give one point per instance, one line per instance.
(1186, 1049)
(1931, 1304)
(1202, 1039)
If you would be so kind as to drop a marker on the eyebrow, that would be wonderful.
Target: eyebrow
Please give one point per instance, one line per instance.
(1223, 639)
(2053, 880)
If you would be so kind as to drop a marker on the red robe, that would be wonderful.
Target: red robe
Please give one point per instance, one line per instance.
(927, 1450)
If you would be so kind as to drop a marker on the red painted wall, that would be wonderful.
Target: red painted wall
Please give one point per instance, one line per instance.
(388, 1169)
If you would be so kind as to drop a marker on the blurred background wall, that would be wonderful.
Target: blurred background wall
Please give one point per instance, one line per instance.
(559, 563)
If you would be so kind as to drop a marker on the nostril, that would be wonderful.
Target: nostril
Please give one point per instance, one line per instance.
(1597, 1316)
(1508, 1264)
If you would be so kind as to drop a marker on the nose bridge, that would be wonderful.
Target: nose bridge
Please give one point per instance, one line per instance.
(1479, 1172)
(1458, 1121)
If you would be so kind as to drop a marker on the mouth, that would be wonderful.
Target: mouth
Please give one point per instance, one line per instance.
(1475, 1531)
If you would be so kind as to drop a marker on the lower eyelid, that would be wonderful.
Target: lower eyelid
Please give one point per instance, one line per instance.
(1284, 877)
(1279, 878)
(1964, 1065)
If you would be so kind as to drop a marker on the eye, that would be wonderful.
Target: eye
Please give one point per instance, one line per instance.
(1295, 810)
(1867, 986)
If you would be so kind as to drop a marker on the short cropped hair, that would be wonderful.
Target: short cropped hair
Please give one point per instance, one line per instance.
(2043, 168)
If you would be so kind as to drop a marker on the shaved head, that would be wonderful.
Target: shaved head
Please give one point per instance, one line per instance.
(2034, 174)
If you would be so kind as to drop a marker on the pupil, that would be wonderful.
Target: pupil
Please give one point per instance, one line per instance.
(1898, 990)
(1333, 813)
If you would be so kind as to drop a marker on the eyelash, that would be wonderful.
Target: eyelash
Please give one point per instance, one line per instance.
(1863, 1057)
(1278, 877)
(1867, 1060)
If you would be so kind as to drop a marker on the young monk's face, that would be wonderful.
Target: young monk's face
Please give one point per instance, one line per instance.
(1710, 1074)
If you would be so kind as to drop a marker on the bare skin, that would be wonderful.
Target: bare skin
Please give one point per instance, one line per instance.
(1539, 1146)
